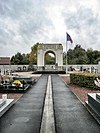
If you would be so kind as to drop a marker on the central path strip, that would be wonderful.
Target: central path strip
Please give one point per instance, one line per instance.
(26, 115)
(70, 115)
(48, 125)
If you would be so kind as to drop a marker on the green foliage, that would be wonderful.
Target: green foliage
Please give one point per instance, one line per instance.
(25, 59)
(97, 60)
(78, 55)
(90, 56)
(20, 59)
(84, 80)
(33, 54)
(49, 59)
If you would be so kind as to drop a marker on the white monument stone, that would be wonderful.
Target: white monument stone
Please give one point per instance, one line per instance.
(5, 104)
(57, 49)
(2, 71)
(4, 97)
(99, 67)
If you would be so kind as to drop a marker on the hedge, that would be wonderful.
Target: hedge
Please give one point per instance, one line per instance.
(84, 79)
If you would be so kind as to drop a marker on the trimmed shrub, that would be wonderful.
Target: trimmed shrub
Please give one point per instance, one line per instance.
(84, 79)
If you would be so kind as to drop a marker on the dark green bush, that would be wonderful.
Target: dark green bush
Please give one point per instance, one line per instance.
(84, 79)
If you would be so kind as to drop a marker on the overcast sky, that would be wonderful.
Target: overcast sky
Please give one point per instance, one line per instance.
(26, 22)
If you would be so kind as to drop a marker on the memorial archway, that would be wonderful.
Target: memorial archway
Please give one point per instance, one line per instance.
(55, 49)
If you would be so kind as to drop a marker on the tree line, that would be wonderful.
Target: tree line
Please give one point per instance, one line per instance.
(81, 56)
(78, 55)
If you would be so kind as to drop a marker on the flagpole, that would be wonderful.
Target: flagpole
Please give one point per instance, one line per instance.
(66, 53)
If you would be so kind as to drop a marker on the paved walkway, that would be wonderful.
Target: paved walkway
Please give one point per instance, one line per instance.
(26, 115)
(70, 115)
(48, 123)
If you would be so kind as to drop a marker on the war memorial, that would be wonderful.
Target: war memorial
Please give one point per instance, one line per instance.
(48, 106)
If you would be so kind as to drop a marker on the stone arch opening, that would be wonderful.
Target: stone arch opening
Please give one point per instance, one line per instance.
(50, 58)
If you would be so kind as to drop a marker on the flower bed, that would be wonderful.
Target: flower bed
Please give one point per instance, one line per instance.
(84, 79)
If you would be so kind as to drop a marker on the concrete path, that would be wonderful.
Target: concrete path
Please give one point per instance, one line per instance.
(26, 115)
(48, 123)
(70, 115)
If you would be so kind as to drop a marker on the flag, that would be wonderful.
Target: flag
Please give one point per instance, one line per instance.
(69, 38)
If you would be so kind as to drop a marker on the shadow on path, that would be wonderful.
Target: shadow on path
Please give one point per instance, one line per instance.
(70, 115)
(25, 116)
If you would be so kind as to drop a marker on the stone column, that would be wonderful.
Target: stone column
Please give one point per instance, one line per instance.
(99, 67)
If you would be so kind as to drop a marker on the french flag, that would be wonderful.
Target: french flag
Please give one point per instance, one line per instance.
(69, 38)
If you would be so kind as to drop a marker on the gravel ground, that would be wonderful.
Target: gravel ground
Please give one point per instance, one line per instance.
(13, 96)
(80, 92)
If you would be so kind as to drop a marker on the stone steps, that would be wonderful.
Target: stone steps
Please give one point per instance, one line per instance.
(98, 96)
(5, 105)
(94, 101)
(93, 105)
(2, 102)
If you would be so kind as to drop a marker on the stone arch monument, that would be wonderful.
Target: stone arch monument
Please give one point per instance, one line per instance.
(56, 49)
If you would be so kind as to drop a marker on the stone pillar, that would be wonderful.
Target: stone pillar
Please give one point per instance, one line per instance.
(99, 67)
(2, 71)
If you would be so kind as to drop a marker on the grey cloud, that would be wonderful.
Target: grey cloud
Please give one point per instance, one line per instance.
(22, 22)
(85, 24)
(30, 16)
(78, 19)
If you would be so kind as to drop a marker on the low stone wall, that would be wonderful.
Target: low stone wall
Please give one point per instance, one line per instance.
(91, 68)
(6, 69)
